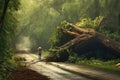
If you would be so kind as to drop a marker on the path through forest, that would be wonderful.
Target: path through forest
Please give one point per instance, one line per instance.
(64, 71)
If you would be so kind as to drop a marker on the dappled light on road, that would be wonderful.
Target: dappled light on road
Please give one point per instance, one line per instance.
(65, 71)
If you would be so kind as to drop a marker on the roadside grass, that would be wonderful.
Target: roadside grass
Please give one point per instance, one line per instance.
(45, 54)
(109, 65)
(99, 64)
(20, 61)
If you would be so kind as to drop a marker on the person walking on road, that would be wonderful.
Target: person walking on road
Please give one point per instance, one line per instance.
(39, 52)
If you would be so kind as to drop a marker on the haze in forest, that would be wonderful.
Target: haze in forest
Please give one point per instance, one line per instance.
(37, 19)
(28, 24)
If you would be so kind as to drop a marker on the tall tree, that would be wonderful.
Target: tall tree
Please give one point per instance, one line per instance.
(3, 13)
(8, 23)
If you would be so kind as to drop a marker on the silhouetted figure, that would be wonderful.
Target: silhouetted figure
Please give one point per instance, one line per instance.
(39, 52)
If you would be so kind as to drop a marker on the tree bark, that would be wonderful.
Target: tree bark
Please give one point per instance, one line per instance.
(71, 33)
(108, 42)
(4, 13)
(76, 40)
(103, 39)
(82, 30)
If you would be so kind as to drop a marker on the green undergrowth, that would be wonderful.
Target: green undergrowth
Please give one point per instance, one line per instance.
(20, 62)
(6, 68)
(99, 25)
(45, 54)
(59, 38)
(109, 65)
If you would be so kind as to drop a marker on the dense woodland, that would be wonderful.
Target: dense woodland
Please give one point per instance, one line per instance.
(38, 19)
(8, 24)
(40, 22)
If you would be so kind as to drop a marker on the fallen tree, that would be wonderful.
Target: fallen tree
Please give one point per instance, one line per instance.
(84, 36)
(103, 39)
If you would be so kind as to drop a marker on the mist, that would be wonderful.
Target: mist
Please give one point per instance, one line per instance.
(39, 18)
(24, 44)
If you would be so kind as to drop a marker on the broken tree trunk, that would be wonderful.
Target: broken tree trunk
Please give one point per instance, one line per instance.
(76, 40)
(84, 37)
(106, 41)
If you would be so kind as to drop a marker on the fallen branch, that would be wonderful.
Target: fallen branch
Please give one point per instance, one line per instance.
(76, 40)
(71, 33)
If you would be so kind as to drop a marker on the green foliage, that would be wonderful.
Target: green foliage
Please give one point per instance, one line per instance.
(20, 59)
(6, 68)
(20, 62)
(57, 55)
(109, 65)
(38, 18)
(73, 58)
(89, 23)
(6, 35)
(45, 54)
(98, 64)
(99, 26)
(58, 37)
(115, 36)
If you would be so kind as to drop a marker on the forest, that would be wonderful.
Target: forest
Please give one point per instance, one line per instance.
(29, 24)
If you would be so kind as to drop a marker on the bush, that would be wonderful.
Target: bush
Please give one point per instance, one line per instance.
(99, 26)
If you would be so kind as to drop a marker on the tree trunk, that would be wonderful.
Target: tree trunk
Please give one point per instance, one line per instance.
(4, 12)
(76, 40)
(106, 41)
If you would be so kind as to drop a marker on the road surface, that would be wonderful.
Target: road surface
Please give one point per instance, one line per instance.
(62, 71)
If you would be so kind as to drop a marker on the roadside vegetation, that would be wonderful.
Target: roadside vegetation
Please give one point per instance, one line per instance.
(8, 24)
(40, 23)
(100, 22)
(109, 65)
(97, 59)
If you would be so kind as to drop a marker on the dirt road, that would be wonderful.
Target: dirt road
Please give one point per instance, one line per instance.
(62, 71)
